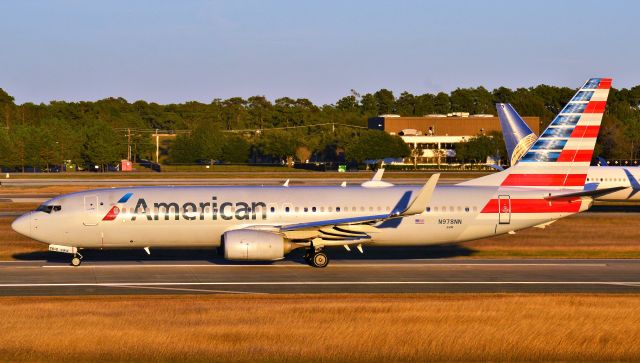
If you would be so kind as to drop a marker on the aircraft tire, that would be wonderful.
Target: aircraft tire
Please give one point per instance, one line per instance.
(75, 261)
(319, 260)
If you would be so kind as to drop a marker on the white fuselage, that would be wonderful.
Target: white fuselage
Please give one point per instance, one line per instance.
(198, 216)
(615, 176)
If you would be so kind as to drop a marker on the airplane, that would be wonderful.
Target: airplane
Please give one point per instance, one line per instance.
(519, 138)
(266, 223)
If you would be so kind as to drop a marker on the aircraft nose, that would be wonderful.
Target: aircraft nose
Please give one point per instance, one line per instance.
(22, 224)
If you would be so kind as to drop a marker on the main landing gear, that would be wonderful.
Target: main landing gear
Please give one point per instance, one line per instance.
(316, 258)
(76, 260)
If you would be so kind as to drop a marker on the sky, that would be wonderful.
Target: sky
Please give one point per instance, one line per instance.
(178, 51)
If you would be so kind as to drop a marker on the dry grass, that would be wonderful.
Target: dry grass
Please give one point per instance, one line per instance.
(17, 207)
(321, 328)
(587, 235)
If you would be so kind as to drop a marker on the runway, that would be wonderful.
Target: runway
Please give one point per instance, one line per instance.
(21, 278)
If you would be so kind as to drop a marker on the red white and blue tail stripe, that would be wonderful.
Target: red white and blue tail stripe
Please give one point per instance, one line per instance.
(562, 154)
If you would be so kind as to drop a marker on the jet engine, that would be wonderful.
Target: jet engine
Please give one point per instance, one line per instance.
(255, 245)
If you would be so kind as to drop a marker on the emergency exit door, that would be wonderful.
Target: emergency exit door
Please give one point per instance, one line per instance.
(90, 215)
(504, 209)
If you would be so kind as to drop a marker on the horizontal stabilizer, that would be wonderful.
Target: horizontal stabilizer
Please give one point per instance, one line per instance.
(595, 193)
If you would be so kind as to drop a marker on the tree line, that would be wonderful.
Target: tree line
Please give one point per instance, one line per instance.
(241, 130)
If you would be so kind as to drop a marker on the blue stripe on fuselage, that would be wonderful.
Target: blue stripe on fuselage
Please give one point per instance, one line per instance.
(125, 198)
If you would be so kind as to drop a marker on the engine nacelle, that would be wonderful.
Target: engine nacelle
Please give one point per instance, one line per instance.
(255, 245)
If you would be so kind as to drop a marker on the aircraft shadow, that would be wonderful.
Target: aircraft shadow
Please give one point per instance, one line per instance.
(211, 255)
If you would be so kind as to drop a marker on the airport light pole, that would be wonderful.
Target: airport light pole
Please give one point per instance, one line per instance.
(157, 147)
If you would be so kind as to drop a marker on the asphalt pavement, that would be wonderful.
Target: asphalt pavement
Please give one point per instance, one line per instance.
(109, 277)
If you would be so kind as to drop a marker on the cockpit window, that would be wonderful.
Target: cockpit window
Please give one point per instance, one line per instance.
(48, 208)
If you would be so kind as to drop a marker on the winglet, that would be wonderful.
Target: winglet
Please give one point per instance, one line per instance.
(376, 181)
(602, 161)
(419, 204)
(378, 175)
(286, 183)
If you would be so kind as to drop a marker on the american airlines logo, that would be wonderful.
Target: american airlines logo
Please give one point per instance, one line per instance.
(191, 211)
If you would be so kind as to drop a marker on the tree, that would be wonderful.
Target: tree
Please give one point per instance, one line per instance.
(279, 144)
(424, 104)
(206, 139)
(348, 104)
(473, 100)
(374, 145)
(183, 150)
(235, 149)
(477, 149)
(406, 104)
(285, 112)
(18, 143)
(369, 105)
(385, 101)
(6, 107)
(102, 145)
(260, 110)
(234, 111)
(441, 103)
(66, 140)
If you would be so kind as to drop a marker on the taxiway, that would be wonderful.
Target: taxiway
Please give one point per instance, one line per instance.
(292, 276)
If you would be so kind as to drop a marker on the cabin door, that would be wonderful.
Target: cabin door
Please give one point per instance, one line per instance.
(90, 215)
(504, 209)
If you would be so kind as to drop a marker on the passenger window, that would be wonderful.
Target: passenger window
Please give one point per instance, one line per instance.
(287, 209)
(337, 209)
(466, 209)
(428, 209)
(273, 210)
(306, 209)
(313, 209)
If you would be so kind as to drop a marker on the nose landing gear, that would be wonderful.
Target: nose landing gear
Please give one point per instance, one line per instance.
(77, 257)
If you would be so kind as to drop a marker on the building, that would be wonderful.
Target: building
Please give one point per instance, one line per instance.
(438, 135)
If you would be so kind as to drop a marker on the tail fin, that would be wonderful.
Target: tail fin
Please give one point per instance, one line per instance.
(561, 156)
(518, 137)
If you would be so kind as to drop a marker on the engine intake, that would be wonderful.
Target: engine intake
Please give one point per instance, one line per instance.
(253, 245)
